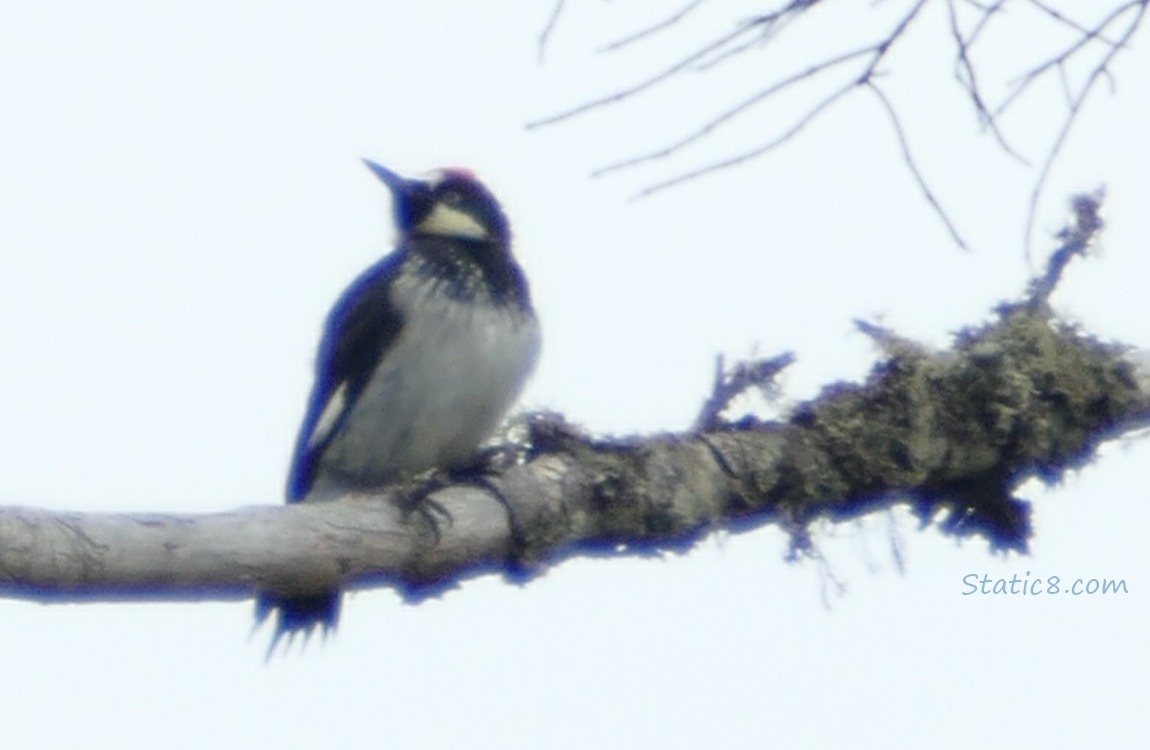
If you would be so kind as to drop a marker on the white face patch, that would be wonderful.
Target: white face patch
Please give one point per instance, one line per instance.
(331, 411)
(447, 221)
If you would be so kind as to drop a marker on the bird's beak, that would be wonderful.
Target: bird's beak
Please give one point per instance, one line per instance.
(391, 179)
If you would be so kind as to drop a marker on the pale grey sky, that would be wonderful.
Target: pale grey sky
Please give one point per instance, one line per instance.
(183, 199)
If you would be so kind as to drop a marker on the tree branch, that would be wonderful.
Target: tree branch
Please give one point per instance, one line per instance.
(953, 431)
(1076, 102)
(753, 32)
(912, 165)
(666, 23)
(545, 35)
(964, 72)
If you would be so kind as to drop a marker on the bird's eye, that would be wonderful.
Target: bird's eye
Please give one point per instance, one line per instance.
(452, 197)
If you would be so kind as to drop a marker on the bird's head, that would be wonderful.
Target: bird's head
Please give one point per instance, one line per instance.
(445, 203)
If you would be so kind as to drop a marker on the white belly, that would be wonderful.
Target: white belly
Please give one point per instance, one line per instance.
(439, 392)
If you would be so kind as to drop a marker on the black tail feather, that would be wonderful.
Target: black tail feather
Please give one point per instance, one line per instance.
(299, 614)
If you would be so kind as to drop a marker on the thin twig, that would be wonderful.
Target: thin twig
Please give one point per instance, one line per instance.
(878, 52)
(736, 110)
(747, 155)
(912, 165)
(1057, 16)
(703, 54)
(664, 24)
(766, 32)
(730, 384)
(626, 93)
(769, 25)
(1075, 108)
(792, 8)
(1077, 237)
(984, 21)
(964, 73)
(1023, 82)
(752, 31)
(545, 35)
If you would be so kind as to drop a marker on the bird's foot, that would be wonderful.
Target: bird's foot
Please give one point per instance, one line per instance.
(416, 496)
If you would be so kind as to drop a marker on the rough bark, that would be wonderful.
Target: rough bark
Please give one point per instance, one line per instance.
(955, 430)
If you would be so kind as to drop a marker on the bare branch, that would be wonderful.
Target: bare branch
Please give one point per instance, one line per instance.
(730, 384)
(1112, 32)
(736, 110)
(877, 53)
(988, 13)
(664, 24)
(755, 24)
(1057, 16)
(1077, 237)
(758, 151)
(912, 165)
(626, 93)
(769, 25)
(1058, 61)
(734, 50)
(790, 10)
(545, 35)
(1099, 71)
(954, 431)
(964, 73)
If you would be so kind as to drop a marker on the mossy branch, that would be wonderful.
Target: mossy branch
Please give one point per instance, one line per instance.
(954, 431)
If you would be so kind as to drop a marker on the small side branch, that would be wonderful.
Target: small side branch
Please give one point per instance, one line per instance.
(912, 165)
(1077, 100)
(666, 23)
(964, 72)
(730, 384)
(545, 35)
(951, 433)
(1077, 237)
(968, 22)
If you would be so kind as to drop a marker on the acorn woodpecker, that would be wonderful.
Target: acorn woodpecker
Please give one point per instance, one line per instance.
(421, 358)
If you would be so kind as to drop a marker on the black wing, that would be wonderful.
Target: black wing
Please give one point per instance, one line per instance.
(358, 331)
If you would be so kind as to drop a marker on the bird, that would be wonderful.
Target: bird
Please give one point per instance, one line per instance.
(420, 359)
